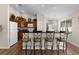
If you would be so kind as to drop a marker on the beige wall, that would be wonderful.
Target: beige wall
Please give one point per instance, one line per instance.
(75, 29)
(41, 23)
(13, 11)
(4, 21)
(17, 13)
(75, 32)
(74, 37)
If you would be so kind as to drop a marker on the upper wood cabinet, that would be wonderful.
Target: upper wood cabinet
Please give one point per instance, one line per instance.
(23, 23)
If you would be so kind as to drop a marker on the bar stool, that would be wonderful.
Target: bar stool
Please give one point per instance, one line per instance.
(27, 40)
(37, 39)
(49, 39)
(62, 42)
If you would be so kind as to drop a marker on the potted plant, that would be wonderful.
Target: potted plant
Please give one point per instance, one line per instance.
(12, 17)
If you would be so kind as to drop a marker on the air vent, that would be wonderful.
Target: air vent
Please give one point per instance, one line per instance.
(19, 5)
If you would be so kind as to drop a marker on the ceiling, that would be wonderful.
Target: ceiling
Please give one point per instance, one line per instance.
(47, 10)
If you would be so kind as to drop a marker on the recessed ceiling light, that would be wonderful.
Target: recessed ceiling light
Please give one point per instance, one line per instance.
(17, 5)
(22, 11)
(43, 5)
(54, 7)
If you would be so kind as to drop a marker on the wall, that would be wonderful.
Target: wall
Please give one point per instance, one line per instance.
(13, 11)
(4, 21)
(17, 13)
(41, 23)
(75, 32)
(74, 37)
(75, 28)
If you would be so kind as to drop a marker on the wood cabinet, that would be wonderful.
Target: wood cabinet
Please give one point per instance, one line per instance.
(22, 23)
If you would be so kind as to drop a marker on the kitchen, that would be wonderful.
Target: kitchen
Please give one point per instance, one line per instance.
(49, 20)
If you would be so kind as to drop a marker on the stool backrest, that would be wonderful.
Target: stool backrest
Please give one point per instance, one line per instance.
(25, 35)
(50, 35)
(63, 35)
(37, 35)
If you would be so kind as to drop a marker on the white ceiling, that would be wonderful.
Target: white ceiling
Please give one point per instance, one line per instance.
(47, 10)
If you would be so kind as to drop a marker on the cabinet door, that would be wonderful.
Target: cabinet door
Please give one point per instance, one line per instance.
(13, 33)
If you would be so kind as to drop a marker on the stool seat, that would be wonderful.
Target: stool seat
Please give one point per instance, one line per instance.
(37, 40)
(26, 40)
(60, 39)
(48, 39)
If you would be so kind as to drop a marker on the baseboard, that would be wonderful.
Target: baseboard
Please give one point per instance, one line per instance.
(73, 44)
(74, 47)
(4, 47)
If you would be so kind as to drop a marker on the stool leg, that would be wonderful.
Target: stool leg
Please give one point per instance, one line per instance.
(66, 48)
(58, 48)
(30, 50)
(44, 46)
(26, 50)
(52, 47)
(34, 48)
(41, 48)
(63, 47)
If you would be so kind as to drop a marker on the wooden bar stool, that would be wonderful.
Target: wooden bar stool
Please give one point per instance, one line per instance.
(27, 40)
(62, 42)
(37, 39)
(49, 39)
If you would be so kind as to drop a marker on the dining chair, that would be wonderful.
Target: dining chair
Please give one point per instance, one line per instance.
(49, 39)
(37, 41)
(28, 42)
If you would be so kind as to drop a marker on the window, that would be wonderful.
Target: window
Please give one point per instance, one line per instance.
(52, 25)
(66, 25)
